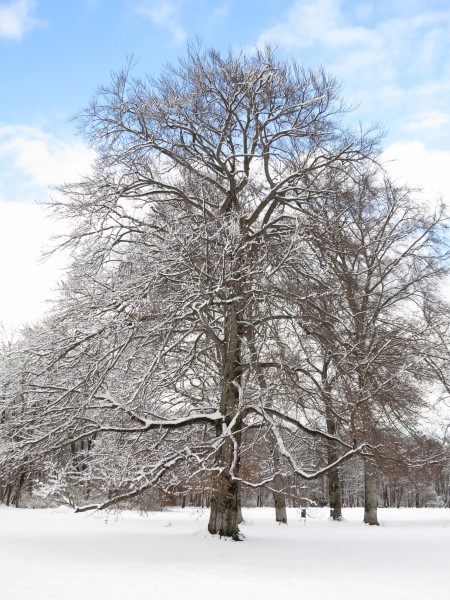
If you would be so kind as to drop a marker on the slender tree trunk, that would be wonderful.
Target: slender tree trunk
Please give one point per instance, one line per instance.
(334, 483)
(8, 492)
(385, 496)
(278, 488)
(370, 494)
(334, 493)
(240, 518)
(278, 485)
(279, 499)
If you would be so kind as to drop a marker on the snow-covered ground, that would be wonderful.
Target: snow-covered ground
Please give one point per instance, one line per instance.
(58, 555)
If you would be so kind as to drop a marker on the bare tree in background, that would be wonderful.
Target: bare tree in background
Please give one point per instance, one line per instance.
(380, 257)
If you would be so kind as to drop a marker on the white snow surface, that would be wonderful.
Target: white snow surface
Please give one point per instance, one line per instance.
(58, 555)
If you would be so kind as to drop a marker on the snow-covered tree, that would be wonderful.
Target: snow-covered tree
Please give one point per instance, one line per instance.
(234, 310)
(186, 221)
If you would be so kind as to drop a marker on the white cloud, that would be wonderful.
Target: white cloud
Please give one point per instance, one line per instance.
(17, 18)
(430, 120)
(51, 165)
(25, 226)
(414, 164)
(165, 14)
(44, 158)
(27, 282)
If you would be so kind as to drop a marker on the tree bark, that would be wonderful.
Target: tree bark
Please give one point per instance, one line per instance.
(334, 491)
(279, 499)
(386, 503)
(334, 483)
(278, 488)
(370, 494)
(224, 512)
(240, 518)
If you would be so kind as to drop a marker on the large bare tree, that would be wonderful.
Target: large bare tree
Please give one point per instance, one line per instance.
(169, 323)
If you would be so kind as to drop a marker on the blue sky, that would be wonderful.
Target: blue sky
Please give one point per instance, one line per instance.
(392, 57)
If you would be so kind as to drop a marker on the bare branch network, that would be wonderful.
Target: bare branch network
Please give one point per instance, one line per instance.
(250, 296)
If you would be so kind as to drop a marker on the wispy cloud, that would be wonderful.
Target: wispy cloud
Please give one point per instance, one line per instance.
(165, 14)
(429, 120)
(308, 23)
(17, 18)
(391, 56)
(354, 40)
(220, 11)
(410, 37)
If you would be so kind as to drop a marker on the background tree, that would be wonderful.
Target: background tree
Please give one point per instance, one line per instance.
(374, 256)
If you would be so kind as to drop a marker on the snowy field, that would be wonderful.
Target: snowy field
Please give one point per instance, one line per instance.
(58, 555)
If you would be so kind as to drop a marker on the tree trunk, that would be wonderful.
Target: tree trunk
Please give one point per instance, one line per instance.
(385, 496)
(334, 484)
(370, 494)
(334, 493)
(259, 499)
(224, 512)
(278, 488)
(279, 499)
(8, 492)
(240, 518)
